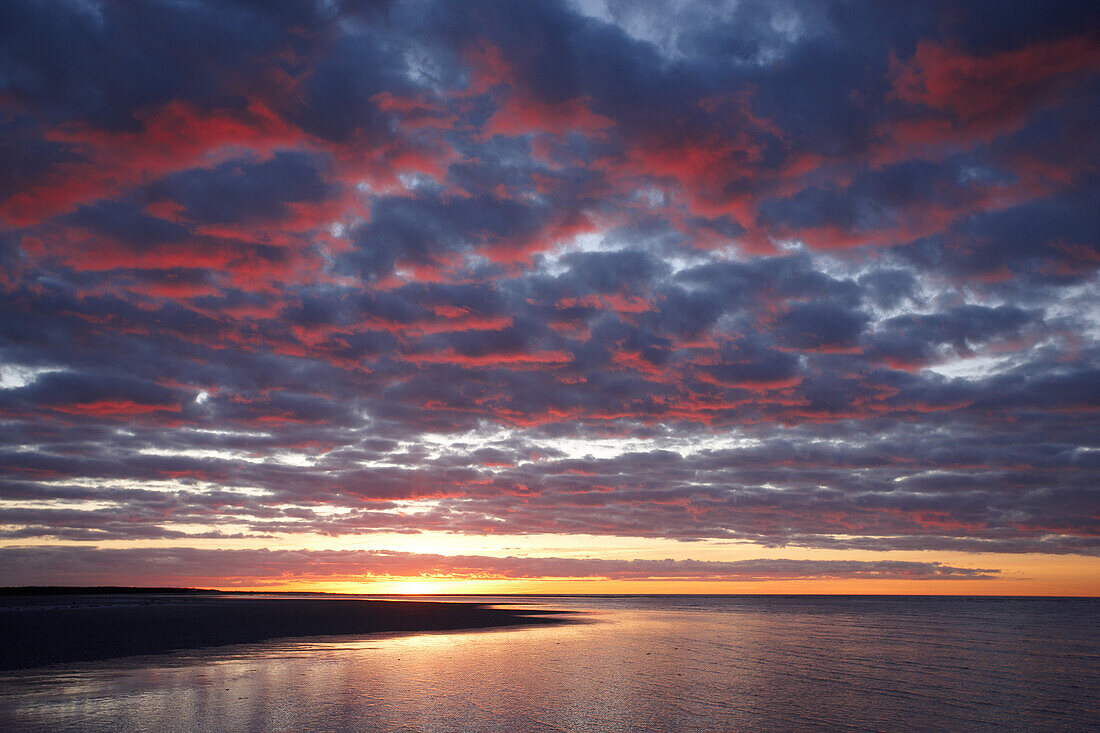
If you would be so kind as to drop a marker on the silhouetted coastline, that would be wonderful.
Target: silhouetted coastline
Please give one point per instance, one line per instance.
(69, 590)
(77, 625)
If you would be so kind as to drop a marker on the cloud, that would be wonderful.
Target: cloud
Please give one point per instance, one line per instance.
(227, 568)
(817, 275)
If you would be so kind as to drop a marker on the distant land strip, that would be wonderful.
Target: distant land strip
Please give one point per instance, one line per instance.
(61, 627)
(69, 590)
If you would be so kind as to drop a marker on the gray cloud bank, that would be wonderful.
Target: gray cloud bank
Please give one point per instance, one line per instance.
(185, 566)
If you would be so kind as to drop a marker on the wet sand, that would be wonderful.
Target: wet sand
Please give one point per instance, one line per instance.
(51, 629)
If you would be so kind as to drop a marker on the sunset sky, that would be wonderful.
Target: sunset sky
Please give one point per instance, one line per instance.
(578, 296)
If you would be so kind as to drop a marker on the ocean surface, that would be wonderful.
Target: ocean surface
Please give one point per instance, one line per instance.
(627, 663)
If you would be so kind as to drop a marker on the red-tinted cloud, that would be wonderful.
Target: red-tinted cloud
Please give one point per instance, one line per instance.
(343, 272)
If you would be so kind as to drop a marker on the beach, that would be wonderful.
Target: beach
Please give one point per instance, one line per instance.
(37, 630)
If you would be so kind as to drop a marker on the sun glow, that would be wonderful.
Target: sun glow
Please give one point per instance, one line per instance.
(418, 588)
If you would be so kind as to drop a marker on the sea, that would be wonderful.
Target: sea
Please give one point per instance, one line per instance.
(622, 663)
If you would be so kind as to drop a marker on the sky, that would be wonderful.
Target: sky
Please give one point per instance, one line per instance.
(577, 296)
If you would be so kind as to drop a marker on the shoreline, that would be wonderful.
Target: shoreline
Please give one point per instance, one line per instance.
(37, 631)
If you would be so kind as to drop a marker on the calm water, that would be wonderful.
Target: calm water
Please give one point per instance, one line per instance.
(688, 663)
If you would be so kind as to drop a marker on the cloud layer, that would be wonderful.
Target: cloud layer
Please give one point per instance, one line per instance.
(187, 566)
(809, 274)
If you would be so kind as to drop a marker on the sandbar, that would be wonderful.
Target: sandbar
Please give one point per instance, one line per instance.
(39, 630)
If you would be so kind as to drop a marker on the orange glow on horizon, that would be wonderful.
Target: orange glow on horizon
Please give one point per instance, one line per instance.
(414, 586)
(1016, 574)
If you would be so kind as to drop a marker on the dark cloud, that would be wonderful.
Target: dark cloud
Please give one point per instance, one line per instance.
(190, 567)
(241, 191)
(798, 274)
(820, 326)
(888, 288)
(104, 63)
(128, 223)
